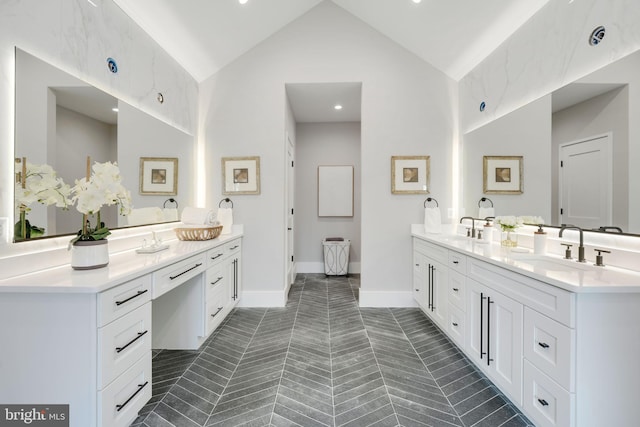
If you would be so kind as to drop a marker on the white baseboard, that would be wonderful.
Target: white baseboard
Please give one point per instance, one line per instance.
(386, 299)
(262, 299)
(318, 267)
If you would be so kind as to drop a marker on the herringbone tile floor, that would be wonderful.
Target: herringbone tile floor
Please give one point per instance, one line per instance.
(323, 361)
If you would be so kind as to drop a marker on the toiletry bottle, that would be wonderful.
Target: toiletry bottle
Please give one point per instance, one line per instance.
(487, 234)
(539, 241)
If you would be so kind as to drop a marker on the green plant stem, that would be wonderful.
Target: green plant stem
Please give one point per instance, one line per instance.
(23, 223)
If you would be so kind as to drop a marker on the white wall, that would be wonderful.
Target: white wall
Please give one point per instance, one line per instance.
(325, 144)
(524, 132)
(78, 38)
(608, 112)
(408, 108)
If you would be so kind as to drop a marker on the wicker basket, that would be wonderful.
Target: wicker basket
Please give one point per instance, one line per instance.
(198, 233)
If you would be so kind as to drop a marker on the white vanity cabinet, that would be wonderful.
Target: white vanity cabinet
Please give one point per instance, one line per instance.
(431, 280)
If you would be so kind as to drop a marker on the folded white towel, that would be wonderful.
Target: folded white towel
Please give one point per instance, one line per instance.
(432, 220)
(142, 216)
(225, 216)
(170, 214)
(485, 212)
(201, 216)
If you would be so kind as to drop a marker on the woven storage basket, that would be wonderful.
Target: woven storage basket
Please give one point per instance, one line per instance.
(199, 233)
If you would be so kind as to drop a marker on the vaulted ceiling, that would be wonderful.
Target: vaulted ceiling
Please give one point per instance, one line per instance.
(452, 35)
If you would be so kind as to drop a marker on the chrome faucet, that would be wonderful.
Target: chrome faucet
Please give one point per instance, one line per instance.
(473, 225)
(581, 247)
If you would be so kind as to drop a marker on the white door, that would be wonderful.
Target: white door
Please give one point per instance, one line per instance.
(586, 182)
(291, 266)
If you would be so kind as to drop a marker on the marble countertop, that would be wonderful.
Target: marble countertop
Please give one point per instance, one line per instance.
(123, 266)
(554, 270)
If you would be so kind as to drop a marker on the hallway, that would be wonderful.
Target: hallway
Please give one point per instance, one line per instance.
(323, 361)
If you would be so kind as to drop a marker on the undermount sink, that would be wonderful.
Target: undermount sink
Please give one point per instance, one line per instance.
(552, 264)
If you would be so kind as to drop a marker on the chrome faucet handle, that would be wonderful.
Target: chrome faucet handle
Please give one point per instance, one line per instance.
(567, 252)
(479, 234)
(600, 258)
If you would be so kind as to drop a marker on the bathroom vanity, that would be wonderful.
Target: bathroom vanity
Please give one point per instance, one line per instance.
(84, 338)
(559, 338)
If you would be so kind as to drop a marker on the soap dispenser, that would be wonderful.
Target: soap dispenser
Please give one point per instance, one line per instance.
(539, 241)
(487, 234)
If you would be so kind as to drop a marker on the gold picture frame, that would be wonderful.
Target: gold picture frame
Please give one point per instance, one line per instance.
(410, 174)
(241, 175)
(502, 174)
(159, 176)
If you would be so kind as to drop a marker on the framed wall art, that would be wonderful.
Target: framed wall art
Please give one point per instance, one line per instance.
(241, 175)
(502, 175)
(159, 176)
(410, 174)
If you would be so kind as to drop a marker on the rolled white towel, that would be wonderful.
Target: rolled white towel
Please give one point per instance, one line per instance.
(170, 214)
(140, 216)
(485, 212)
(225, 216)
(432, 220)
(200, 216)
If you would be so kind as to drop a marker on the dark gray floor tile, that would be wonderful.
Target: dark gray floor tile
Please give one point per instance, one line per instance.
(172, 416)
(483, 410)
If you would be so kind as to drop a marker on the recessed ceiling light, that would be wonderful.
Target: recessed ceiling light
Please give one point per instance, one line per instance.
(337, 107)
(416, 1)
(115, 109)
(243, 1)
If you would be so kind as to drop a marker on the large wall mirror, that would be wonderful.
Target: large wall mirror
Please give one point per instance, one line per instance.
(60, 120)
(580, 146)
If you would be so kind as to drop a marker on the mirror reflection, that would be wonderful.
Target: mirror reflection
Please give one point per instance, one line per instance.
(577, 147)
(60, 120)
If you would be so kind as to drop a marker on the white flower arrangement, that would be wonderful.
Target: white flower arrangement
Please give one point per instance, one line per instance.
(532, 220)
(103, 188)
(509, 223)
(38, 184)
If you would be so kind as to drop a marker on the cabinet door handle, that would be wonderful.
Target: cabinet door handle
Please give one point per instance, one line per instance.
(219, 310)
(119, 349)
(543, 402)
(131, 297)
(543, 344)
(482, 298)
(216, 281)
(140, 387)
(217, 256)
(489, 359)
(184, 272)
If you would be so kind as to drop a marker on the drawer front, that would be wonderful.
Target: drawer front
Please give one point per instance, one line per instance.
(122, 342)
(457, 262)
(457, 289)
(215, 277)
(216, 307)
(234, 247)
(556, 303)
(550, 346)
(418, 260)
(176, 274)
(216, 255)
(545, 402)
(456, 325)
(121, 299)
(435, 252)
(118, 404)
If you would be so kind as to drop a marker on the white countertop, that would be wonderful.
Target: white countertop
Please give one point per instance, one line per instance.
(554, 270)
(123, 266)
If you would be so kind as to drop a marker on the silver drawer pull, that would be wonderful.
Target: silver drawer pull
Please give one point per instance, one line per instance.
(140, 387)
(184, 272)
(119, 349)
(216, 281)
(455, 289)
(543, 344)
(456, 262)
(454, 324)
(235, 247)
(217, 256)
(131, 297)
(543, 402)
(219, 310)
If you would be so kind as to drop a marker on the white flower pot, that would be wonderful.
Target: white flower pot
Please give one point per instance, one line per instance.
(89, 254)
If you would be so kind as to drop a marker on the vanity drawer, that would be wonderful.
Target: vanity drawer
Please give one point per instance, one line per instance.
(121, 299)
(545, 402)
(122, 342)
(550, 346)
(435, 252)
(457, 287)
(456, 325)
(234, 247)
(174, 275)
(215, 255)
(120, 402)
(457, 262)
(216, 304)
(215, 277)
